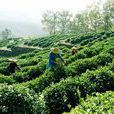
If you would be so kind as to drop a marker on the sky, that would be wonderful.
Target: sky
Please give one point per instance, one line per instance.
(30, 11)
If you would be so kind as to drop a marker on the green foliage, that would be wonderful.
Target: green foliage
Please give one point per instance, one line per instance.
(5, 79)
(45, 80)
(81, 65)
(47, 41)
(83, 40)
(58, 97)
(88, 71)
(15, 100)
(98, 104)
(29, 73)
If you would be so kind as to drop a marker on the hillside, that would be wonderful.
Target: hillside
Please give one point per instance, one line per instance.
(21, 27)
(37, 90)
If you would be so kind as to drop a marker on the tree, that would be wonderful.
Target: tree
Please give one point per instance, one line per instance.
(94, 17)
(79, 23)
(50, 22)
(63, 21)
(108, 15)
(6, 33)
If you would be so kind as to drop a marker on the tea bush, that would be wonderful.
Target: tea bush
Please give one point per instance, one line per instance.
(98, 104)
(6, 79)
(58, 97)
(17, 101)
(90, 70)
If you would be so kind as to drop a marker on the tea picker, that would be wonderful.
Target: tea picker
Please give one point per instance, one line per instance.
(74, 50)
(55, 59)
(12, 66)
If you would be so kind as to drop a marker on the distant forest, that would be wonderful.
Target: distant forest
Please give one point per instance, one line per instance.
(97, 17)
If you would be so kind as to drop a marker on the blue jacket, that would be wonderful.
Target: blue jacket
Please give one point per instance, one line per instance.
(52, 59)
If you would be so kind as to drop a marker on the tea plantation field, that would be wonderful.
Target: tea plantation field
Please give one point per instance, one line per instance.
(84, 85)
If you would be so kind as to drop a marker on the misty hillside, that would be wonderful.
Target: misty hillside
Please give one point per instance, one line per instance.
(22, 28)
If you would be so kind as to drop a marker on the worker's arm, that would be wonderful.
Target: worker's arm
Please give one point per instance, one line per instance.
(18, 68)
(62, 59)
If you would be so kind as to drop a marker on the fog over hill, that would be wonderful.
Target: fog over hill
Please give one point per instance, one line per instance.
(22, 28)
(23, 17)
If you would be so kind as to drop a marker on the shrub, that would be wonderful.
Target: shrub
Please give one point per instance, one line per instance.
(81, 65)
(6, 79)
(99, 104)
(16, 101)
(48, 78)
(60, 96)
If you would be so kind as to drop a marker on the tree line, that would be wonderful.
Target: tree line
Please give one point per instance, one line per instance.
(6, 33)
(96, 18)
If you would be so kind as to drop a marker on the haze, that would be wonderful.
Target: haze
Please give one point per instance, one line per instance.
(23, 17)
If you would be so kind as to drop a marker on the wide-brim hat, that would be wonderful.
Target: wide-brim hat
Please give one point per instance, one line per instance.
(55, 50)
(12, 59)
(74, 48)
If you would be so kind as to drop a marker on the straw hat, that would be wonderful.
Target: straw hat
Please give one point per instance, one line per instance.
(74, 48)
(12, 59)
(55, 50)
